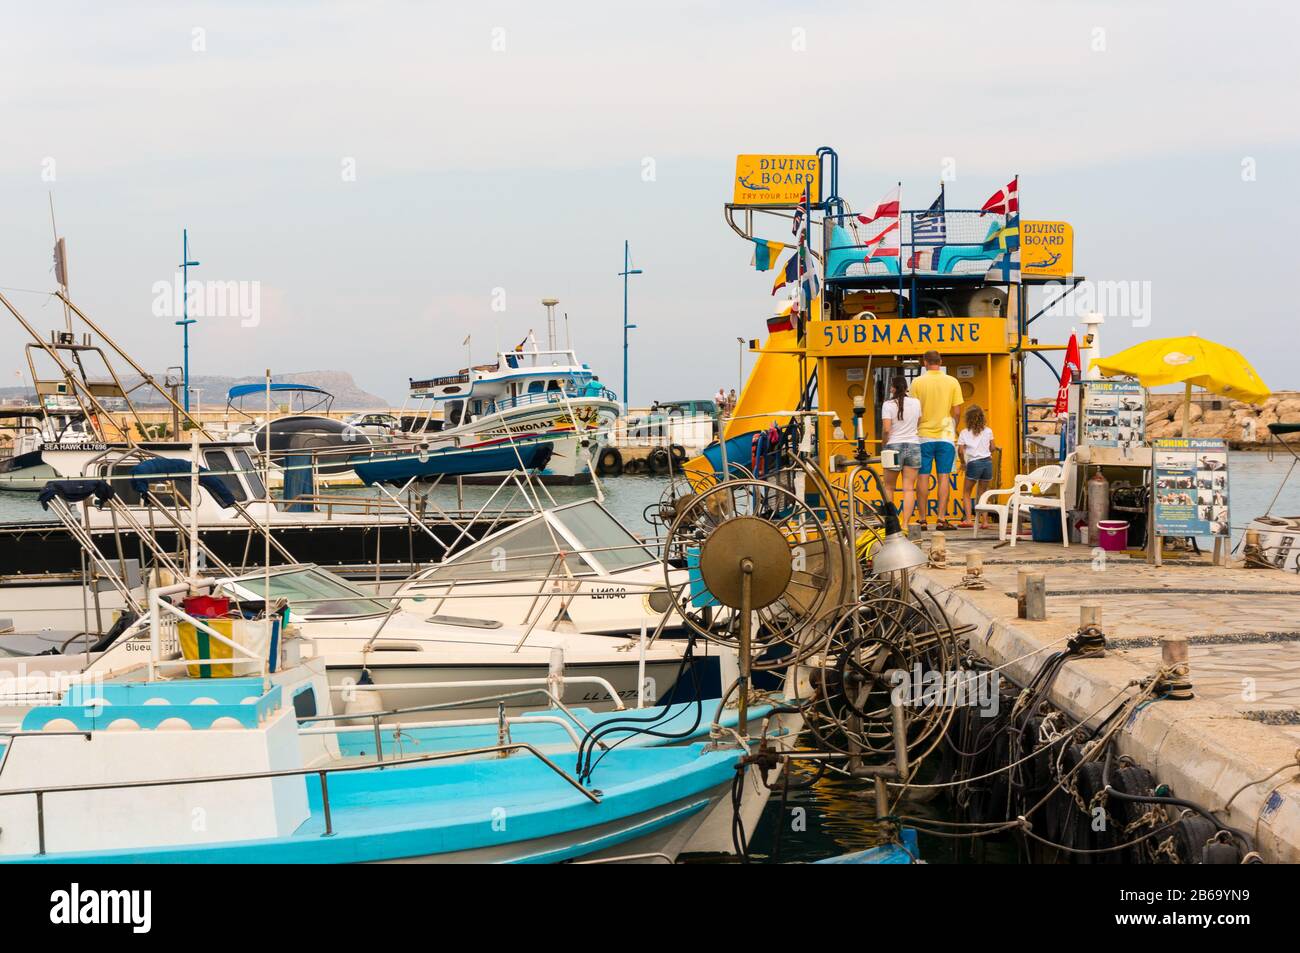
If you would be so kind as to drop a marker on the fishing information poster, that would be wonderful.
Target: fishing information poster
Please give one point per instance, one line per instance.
(1114, 414)
(1191, 487)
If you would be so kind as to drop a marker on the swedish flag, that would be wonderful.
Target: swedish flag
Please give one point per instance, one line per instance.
(765, 253)
(1005, 239)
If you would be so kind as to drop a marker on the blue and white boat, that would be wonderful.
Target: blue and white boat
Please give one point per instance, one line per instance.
(527, 397)
(119, 772)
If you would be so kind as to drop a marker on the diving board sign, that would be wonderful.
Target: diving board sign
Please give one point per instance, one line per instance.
(776, 179)
(1047, 249)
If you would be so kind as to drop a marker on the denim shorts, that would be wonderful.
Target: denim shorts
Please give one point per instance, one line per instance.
(981, 469)
(909, 455)
(941, 452)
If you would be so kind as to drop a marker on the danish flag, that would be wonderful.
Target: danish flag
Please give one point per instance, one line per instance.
(1005, 201)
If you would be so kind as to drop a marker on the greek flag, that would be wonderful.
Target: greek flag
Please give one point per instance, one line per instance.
(929, 227)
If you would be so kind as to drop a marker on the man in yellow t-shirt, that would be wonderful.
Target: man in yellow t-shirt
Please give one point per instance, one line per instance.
(941, 398)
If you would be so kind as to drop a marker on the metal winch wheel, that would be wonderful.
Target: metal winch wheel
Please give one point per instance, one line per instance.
(874, 650)
(793, 559)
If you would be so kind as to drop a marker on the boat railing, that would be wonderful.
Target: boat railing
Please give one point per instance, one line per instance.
(535, 358)
(164, 620)
(502, 404)
(956, 242)
(322, 773)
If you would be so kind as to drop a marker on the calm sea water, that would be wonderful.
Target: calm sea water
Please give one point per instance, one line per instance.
(832, 816)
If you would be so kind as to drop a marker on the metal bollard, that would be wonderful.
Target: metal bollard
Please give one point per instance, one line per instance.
(1176, 683)
(938, 551)
(974, 578)
(1090, 640)
(1033, 601)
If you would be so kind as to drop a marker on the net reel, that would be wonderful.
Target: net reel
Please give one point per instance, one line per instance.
(793, 556)
(877, 650)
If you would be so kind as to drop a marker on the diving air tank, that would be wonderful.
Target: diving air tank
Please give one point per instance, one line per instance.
(1098, 503)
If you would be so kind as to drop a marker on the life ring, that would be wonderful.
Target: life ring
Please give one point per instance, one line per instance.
(609, 462)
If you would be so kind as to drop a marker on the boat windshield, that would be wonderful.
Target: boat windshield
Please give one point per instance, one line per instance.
(527, 551)
(312, 593)
(606, 539)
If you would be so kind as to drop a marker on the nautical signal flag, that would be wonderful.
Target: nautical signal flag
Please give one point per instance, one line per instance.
(765, 253)
(788, 273)
(1005, 201)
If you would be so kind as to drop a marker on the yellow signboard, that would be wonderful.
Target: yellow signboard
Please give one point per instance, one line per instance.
(908, 336)
(776, 180)
(1046, 249)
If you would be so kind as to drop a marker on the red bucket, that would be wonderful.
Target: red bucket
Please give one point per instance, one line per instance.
(207, 607)
(1112, 535)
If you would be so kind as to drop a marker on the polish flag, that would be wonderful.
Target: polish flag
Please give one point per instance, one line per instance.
(1069, 373)
(1005, 201)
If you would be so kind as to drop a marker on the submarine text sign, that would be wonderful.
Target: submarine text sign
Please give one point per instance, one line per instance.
(908, 336)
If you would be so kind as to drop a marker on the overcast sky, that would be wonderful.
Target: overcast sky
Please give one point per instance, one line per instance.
(388, 171)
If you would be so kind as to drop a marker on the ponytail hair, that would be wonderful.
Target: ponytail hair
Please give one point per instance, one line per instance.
(897, 391)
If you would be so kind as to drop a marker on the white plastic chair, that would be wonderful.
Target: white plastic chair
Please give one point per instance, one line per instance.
(1021, 497)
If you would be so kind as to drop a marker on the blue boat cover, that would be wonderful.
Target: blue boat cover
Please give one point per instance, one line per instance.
(74, 491)
(142, 472)
(243, 390)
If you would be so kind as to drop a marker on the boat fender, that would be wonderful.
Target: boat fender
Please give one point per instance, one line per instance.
(363, 702)
(678, 453)
(609, 462)
(659, 462)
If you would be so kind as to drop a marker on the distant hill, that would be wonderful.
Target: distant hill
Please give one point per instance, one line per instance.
(347, 395)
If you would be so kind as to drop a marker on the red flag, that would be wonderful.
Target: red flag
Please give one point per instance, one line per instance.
(1069, 372)
(886, 208)
(1005, 201)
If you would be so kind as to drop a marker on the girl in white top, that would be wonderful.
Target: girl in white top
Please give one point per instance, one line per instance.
(899, 417)
(975, 447)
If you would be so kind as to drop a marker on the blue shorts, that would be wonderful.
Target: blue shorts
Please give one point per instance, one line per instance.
(909, 455)
(941, 452)
(981, 469)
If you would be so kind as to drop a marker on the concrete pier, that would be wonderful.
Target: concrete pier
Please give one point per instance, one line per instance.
(1242, 630)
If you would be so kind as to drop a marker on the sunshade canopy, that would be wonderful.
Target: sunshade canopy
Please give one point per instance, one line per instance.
(1188, 360)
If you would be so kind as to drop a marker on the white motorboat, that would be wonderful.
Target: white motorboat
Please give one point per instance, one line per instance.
(573, 567)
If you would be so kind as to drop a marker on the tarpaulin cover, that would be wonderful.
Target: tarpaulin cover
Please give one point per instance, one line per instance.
(74, 491)
(157, 467)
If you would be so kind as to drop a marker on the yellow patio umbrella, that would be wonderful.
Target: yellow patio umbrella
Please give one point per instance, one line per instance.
(1187, 360)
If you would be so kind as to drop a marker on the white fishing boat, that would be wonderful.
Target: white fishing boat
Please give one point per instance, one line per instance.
(526, 397)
